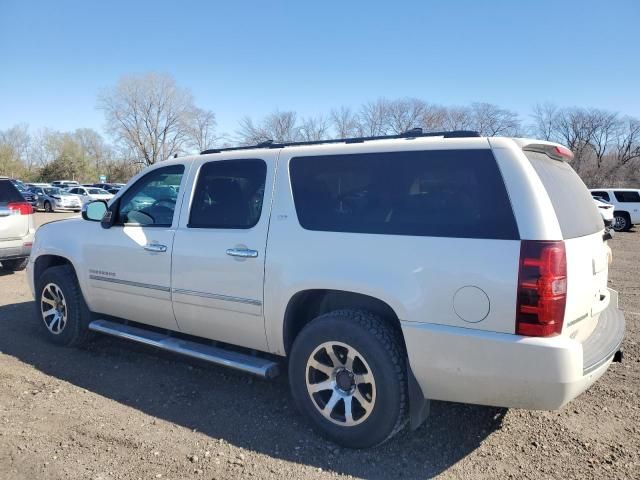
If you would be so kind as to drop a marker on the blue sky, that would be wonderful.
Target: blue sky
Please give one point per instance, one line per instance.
(252, 57)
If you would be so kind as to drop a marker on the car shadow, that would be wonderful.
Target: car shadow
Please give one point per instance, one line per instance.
(244, 411)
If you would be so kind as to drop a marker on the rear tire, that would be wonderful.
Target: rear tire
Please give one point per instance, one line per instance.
(61, 308)
(621, 221)
(347, 372)
(15, 264)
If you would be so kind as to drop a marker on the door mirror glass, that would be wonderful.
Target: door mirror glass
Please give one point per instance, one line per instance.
(94, 211)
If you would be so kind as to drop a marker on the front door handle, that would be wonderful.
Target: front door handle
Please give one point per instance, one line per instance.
(242, 252)
(155, 247)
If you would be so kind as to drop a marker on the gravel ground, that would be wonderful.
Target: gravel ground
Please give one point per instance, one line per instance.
(114, 410)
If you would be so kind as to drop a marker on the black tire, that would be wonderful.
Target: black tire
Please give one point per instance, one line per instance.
(47, 207)
(621, 221)
(15, 264)
(75, 330)
(382, 351)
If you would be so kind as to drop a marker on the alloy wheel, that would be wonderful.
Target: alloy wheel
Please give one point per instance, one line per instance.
(340, 383)
(53, 307)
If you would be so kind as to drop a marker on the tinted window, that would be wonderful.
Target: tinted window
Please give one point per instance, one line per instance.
(577, 214)
(228, 194)
(9, 193)
(627, 196)
(600, 194)
(444, 193)
(151, 201)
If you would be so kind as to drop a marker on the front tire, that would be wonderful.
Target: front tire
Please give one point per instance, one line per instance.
(61, 308)
(15, 264)
(47, 207)
(347, 373)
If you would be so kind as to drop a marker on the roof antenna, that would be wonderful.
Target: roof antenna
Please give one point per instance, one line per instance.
(266, 143)
(412, 132)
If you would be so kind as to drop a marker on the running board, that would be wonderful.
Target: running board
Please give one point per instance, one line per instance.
(219, 356)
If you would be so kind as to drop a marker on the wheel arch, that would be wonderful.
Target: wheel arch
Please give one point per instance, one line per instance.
(306, 305)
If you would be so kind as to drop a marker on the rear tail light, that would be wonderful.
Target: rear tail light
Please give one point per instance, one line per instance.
(21, 208)
(542, 288)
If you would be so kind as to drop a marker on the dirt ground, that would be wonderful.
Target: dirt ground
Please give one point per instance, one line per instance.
(115, 410)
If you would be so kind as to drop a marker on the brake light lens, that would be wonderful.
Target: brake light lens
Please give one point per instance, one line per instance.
(542, 288)
(21, 208)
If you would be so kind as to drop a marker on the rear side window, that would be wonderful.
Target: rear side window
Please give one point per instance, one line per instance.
(228, 194)
(624, 197)
(9, 193)
(571, 200)
(603, 195)
(438, 193)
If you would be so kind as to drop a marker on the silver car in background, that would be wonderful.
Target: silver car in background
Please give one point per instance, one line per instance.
(51, 199)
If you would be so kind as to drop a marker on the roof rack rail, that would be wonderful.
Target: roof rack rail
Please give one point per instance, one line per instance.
(409, 134)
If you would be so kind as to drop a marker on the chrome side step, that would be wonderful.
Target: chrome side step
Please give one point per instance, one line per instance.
(219, 356)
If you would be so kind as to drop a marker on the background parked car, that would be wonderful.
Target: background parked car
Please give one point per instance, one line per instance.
(626, 205)
(89, 194)
(27, 194)
(606, 211)
(64, 183)
(16, 227)
(54, 198)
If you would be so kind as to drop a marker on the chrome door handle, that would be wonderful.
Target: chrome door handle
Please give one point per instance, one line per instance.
(242, 252)
(155, 247)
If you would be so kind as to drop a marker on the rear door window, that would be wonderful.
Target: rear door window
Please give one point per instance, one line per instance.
(9, 193)
(439, 193)
(572, 202)
(627, 197)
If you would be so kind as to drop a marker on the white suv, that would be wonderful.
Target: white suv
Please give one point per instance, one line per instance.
(626, 204)
(16, 227)
(372, 264)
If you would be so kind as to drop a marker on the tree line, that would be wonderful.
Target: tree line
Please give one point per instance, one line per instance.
(150, 118)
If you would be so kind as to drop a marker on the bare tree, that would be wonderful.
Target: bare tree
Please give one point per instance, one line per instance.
(605, 126)
(200, 127)
(628, 141)
(314, 128)
(18, 140)
(576, 128)
(374, 117)
(147, 113)
(404, 114)
(277, 126)
(345, 123)
(491, 120)
(545, 117)
(458, 118)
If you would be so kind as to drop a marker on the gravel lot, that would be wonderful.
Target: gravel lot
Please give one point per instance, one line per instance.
(115, 410)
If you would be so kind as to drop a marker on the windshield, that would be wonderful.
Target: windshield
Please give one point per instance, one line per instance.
(54, 191)
(97, 191)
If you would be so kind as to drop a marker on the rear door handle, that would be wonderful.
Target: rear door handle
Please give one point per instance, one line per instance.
(242, 252)
(155, 247)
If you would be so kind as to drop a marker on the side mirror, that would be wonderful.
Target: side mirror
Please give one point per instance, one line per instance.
(94, 211)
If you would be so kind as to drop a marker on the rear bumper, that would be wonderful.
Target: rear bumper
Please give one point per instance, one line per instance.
(471, 366)
(9, 253)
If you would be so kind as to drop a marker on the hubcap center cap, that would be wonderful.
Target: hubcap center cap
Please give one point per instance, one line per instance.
(344, 380)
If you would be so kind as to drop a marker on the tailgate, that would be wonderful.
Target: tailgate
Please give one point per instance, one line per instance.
(587, 293)
(12, 225)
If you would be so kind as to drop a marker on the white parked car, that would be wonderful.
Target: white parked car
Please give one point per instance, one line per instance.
(372, 264)
(606, 211)
(626, 204)
(89, 194)
(16, 227)
(64, 183)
